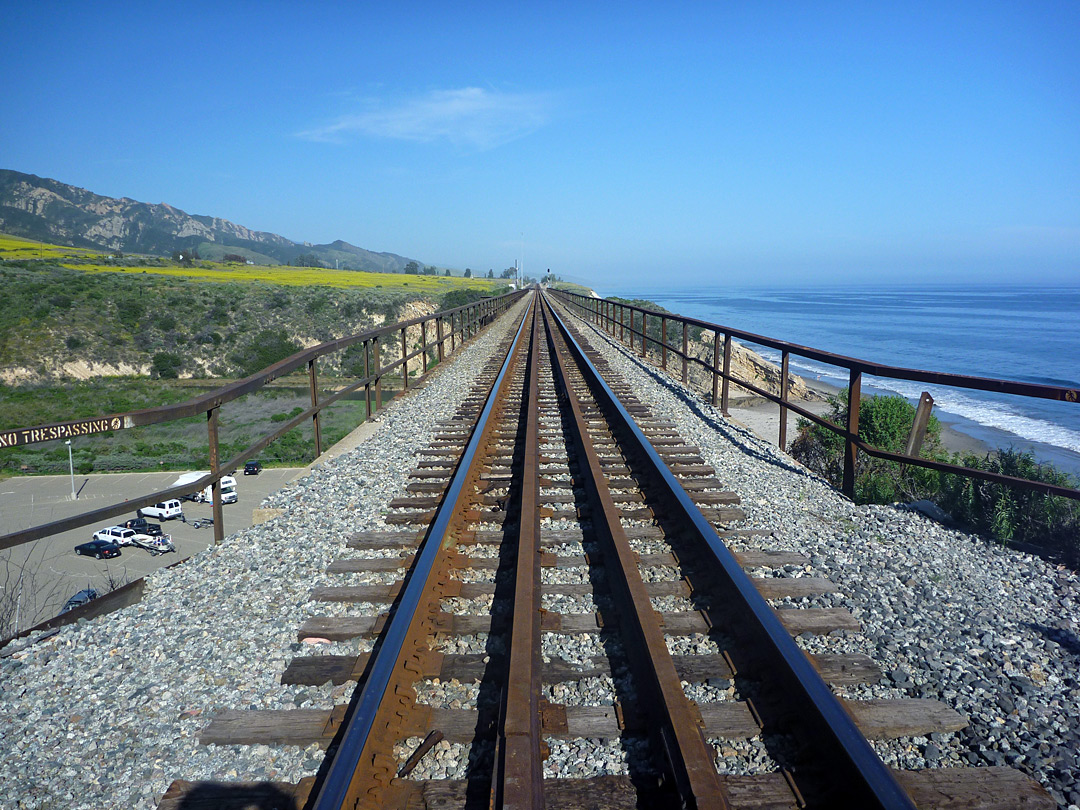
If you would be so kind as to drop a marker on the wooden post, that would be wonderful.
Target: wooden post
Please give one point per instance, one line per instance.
(630, 331)
(663, 342)
(851, 452)
(453, 333)
(378, 372)
(313, 386)
(727, 374)
(783, 399)
(424, 347)
(644, 333)
(404, 361)
(918, 427)
(685, 351)
(439, 337)
(367, 375)
(715, 364)
(215, 466)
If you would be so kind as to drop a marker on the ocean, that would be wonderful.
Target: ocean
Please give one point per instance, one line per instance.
(1023, 333)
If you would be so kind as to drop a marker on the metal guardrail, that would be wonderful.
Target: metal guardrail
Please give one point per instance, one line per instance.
(618, 319)
(455, 326)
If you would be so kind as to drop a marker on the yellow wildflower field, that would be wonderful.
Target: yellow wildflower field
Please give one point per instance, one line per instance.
(15, 247)
(300, 276)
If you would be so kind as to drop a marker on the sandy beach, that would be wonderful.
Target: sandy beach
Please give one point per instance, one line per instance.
(763, 418)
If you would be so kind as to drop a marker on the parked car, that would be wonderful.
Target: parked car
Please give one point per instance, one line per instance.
(167, 510)
(143, 526)
(98, 549)
(116, 534)
(253, 468)
(79, 599)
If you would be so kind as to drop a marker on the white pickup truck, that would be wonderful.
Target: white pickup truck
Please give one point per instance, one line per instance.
(118, 535)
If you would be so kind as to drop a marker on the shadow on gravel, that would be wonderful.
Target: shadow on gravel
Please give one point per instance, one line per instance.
(252, 796)
(1063, 638)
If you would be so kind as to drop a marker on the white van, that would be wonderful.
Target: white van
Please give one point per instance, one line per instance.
(167, 510)
(205, 495)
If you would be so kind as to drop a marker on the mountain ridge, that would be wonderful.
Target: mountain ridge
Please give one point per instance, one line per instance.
(48, 210)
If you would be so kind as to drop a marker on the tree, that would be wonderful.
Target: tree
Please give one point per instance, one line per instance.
(491, 274)
(509, 272)
(467, 273)
(412, 268)
(447, 273)
(165, 366)
(431, 271)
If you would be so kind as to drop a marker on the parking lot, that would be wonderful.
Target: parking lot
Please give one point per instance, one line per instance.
(39, 577)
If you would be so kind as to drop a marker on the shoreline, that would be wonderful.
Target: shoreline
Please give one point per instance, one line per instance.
(762, 417)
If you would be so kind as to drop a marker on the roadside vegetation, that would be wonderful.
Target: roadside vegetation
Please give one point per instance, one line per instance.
(1004, 513)
(85, 334)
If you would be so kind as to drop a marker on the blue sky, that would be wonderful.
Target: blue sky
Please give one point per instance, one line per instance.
(617, 144)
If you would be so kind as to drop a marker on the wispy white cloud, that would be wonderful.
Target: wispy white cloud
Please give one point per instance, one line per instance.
(471, 117)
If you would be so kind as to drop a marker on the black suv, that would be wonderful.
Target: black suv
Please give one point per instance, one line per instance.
(252, 468)
(143, 526)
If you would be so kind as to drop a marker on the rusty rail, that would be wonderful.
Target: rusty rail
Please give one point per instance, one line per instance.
(464, 322)
(611, 317)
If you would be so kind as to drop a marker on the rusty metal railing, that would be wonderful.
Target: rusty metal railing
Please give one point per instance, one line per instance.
(455, 326)
(618, 318)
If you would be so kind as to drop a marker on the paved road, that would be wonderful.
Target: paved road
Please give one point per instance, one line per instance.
(49, 571)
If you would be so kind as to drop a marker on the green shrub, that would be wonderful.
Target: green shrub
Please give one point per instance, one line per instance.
(265, 348)
(884, 422)
(166, 366)
(1014, 513)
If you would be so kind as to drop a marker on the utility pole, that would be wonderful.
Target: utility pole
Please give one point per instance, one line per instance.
(71, 468)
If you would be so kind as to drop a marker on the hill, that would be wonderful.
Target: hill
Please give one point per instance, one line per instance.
(50, 211)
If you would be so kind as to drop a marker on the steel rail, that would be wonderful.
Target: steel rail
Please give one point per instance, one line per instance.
(673, 720)
(338, 787)
(518, 781)
(866, 781)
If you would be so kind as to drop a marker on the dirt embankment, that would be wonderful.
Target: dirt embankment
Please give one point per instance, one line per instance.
(745, 365)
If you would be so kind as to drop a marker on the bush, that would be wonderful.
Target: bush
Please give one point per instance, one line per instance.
(165, 366)
(884, 422)
(266, 348)
(1014, 513)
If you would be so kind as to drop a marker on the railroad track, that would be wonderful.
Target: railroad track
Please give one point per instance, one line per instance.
(562, 625)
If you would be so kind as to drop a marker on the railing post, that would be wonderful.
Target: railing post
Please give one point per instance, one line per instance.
(424, 349)
(377, 363)
(663, 342)
(630, 331)
(439, 337)
(215, 466)
(644, 334)
(313, 385)
(367, 375)
(453, 333)
(404, 361)
(685, 351)
(851, 452)
(783, 399)
(715, 364)
(726, 387)
(622, 324)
